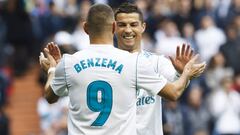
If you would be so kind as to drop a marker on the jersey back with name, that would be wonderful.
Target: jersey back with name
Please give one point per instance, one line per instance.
(101, 84)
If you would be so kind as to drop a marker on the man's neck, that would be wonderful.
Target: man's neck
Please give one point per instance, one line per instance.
(131, 50)
(101, 40)
(136, 50)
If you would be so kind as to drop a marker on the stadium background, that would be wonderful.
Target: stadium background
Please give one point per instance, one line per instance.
(212, 27)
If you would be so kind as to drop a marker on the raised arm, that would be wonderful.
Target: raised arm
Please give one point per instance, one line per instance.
(172, 91)
(48, 64)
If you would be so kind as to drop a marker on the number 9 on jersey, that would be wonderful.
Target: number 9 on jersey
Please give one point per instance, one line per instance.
(99, 99)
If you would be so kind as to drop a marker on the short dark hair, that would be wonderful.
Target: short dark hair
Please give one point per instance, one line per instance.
(127, 7)
(100, 18)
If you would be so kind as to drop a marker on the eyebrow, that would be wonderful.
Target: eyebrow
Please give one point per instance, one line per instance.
(121, 23)
(127, 22)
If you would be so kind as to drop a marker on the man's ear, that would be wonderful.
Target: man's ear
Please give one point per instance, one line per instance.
(85, 27)
(113, 27)
(143, 26)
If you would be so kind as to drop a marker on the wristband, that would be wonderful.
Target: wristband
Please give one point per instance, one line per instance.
(177, 74)
(51, 69)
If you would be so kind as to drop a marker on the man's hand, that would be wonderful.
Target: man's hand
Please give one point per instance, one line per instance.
(193, 69)
(48, 61)
(182, 58)
(172, 91)
(54, 51)
(44, 63)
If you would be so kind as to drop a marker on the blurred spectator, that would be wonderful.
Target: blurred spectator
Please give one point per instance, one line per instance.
(209, 38)
(208, 9)
(168, 39)
(188, 34)
(233, 11)
(166, 7)
(100, 1)
(183, 14)
(231, 49)
(19, 34)
(201, 9)
(2, 30)
(143, 5)
(4, 85)
(53, 117)
(4, 123)
(80, 37)
(39, 7)
(68, 10)
(216, 71)
(67, 7)
(115, 3)
(65, 42)
(174, 119)
(222, 10)
(155, 18)
(200, 133)
(147, 44)
(51, 21)
(225, 107)
(237, 81)
(71, 8)
(196, 115)
(236, 22)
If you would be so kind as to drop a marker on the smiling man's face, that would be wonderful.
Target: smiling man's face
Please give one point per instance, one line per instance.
(129, 31)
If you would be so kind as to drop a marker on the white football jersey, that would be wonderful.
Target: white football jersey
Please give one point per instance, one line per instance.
(149, 106)
(101, 82)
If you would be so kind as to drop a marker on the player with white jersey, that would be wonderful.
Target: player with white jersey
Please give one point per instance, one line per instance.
(149, 106)
(103, 100)
(130, 26)
(101, 80)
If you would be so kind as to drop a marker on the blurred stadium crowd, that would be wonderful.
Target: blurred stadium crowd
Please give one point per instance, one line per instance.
(209, 106)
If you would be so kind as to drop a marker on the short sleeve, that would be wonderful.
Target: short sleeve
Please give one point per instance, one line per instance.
(147, 78)
(58, 84)
(166, 68)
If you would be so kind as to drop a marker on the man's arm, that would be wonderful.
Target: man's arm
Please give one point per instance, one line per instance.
(148, 79)
(174, 90)
(48, 64)
(172, 68)
(49, 95)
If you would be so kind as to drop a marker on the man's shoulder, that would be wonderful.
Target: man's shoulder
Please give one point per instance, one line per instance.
(66, 55)
(148, 54)
(121, 51)
(151, 55)
(75, 56)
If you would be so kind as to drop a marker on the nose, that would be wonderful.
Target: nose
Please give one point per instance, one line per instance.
(128, 29)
